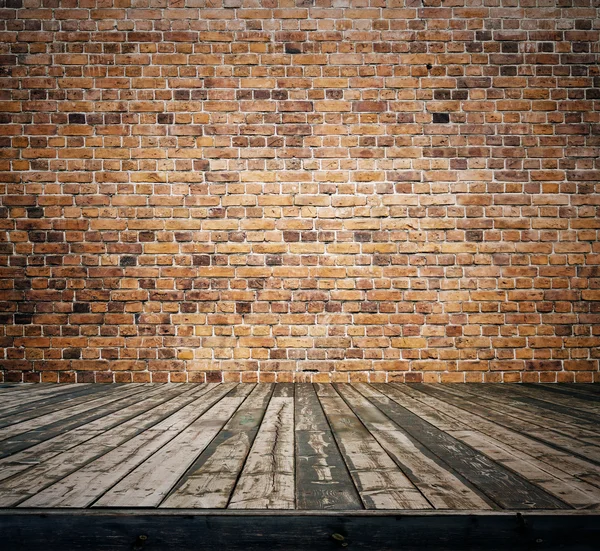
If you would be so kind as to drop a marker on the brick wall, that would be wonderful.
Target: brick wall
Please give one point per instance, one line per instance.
(299, 190)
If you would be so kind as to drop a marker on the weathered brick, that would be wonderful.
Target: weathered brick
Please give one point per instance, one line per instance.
(287, 193)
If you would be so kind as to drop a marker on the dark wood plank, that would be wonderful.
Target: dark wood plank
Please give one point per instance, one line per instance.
(322, 480)
(572, 401)
(365, 531)
(567, 390)
(592, 388)
(504, 487)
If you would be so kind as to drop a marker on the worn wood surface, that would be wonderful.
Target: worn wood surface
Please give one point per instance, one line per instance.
(300, 447)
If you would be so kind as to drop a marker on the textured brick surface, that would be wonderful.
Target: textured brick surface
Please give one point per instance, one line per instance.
(320, 190)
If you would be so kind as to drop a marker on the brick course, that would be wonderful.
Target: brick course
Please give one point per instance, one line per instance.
(299, 190)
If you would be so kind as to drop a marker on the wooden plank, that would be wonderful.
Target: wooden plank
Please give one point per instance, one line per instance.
(532, 427)
(150, 482)
(573, 402)
(34, 397)
(209, 482)
(113, 402)
(520, 453)
(22, 412)
(23, 485)
(442, 488)
(267, 479)
(504, 487)
(31, 393)
(7, 387)
(75, 407)
(378, 480)
(56, 530)
(567, 390)
(84, 486)
(566, 416)
(576, 498)
(592, 388)
(28, 389)
(322, 479)
(64, 435)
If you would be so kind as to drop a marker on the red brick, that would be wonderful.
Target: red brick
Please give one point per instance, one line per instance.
(246, 193)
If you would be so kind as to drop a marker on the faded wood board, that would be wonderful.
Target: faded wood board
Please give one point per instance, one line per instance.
(519, 400)
(149, 483)
(267, 479)
(504, 487)
(84, 486)
(210, 480)
(110, 404)
(322, 479)
(328, 448)
(522, 455)
(54, 404)
(58, 413)
(533, 427)
(379, 481)
(442, 488)
(21, 486)
(69, 434)
(569, 493)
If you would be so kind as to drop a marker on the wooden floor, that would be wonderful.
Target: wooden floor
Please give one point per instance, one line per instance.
(306, 447)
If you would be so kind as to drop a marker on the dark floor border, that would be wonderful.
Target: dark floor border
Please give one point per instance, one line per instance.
(141, 530)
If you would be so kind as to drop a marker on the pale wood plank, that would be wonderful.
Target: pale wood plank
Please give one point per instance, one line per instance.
(531, 459)
(150, 482)
(28, 410)
(507, 489)
(379, 481)
(208, 484)
(267, 479)
(83, 487)
(74, 407)
(21, 486)
(68, 434)
(533, 426)
(442, 488)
